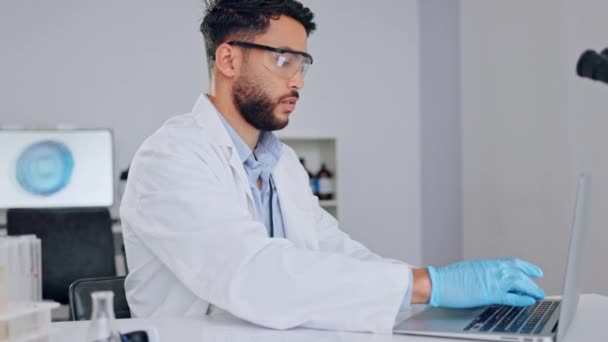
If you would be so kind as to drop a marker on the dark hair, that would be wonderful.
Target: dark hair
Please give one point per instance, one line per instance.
(240, 19)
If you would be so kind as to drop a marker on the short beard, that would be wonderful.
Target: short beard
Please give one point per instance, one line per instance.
(255, 106)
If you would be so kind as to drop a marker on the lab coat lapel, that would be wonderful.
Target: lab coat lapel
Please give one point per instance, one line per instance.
(206, 115)
(243, 181)
(298, 215)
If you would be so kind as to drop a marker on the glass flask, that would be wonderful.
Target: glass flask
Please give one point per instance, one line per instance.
(102, 327)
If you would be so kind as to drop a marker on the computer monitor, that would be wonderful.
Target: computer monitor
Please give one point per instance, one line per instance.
(56, 168)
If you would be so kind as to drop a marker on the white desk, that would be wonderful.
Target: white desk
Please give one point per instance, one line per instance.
(590, 324)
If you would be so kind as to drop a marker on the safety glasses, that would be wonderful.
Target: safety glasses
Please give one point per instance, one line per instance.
(283, 62)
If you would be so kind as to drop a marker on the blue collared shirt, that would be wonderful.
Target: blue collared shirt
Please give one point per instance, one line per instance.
(259, 164)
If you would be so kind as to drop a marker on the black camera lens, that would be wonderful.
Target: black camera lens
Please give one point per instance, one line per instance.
(593, 65)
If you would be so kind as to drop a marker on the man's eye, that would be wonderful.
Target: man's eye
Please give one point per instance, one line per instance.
(283, 61)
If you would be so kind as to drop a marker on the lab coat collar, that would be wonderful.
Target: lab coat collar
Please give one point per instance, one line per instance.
(205, 114)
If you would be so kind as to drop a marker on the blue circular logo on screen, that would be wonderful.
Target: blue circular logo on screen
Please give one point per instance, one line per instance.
(45, 168)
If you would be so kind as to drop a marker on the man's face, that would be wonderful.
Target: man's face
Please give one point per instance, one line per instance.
(263, 96)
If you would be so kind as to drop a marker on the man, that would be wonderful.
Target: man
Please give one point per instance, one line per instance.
(218, 214)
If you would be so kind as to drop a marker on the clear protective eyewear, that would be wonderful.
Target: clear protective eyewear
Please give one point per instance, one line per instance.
(283, 62)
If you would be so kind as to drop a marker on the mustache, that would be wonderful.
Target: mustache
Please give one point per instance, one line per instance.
(294, 93)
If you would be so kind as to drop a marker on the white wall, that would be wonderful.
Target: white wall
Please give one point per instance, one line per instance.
(522, 142)
(440, 131)
(588, 126)
(131, 65)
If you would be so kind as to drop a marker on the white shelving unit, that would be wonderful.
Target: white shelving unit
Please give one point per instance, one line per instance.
(316, 151)
(328, 203)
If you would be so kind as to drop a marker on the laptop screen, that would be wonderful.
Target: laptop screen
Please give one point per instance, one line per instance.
(578, 241)
(56, 168)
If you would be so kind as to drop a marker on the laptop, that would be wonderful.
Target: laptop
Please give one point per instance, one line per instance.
(547, 320)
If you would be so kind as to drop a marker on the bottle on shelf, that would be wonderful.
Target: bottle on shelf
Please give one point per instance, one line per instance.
(325, 183)
(102, 327)
(122, 183)
(311, 177)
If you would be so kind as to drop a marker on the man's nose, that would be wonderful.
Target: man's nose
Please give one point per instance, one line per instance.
(297, 81)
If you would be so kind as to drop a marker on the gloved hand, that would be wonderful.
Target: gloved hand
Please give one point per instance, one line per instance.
(476, 283)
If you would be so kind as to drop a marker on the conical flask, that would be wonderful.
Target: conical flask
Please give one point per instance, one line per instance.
(102, 327)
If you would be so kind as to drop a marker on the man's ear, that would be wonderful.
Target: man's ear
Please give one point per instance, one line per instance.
(227, 60)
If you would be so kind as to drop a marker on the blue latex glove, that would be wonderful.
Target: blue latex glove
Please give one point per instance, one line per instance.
(476, 283)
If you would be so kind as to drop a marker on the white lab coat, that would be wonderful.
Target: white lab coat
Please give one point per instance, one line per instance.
(193, 242)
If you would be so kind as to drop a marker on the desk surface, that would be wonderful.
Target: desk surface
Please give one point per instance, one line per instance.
(589, 325)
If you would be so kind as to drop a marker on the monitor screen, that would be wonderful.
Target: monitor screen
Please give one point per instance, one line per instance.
(56, 168)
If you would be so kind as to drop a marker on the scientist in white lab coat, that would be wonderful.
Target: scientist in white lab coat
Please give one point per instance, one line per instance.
(218, 215)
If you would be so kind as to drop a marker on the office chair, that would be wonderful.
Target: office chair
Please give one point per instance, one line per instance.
(76, 243)
(80, 296)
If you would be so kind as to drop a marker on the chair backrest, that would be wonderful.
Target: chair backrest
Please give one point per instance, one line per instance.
(80, 296)
(76, 243)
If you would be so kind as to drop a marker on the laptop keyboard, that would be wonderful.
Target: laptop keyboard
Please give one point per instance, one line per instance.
(512, 319)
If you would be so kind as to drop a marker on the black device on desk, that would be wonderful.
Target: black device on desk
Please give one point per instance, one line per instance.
(135, 336)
